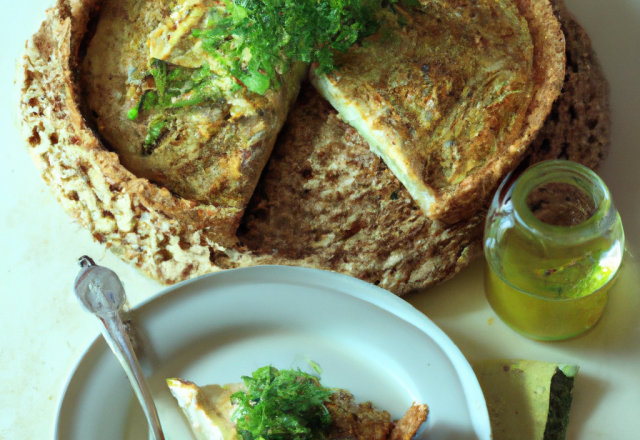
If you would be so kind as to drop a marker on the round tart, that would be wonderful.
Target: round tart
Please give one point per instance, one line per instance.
(324, 199)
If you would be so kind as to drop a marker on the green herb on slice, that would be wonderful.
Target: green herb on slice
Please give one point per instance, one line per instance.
(274, 33)
(176, 87)
(133, 113)
(149, 100)
(254, 80)
(254, 41)
(159, 72)
(281, 405)
(155, 130)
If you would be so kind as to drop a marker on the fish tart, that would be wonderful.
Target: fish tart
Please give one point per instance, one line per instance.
(324, 200)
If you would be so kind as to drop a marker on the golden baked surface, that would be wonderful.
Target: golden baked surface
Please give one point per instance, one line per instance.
(439, 91)
(213, 152)
(323, 201)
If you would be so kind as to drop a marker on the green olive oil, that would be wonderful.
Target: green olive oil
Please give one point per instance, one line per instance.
(540, 317)
(554, 243)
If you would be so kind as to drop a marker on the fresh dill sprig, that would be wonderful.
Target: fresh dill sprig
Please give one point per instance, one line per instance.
(257, 39)
(281, 405)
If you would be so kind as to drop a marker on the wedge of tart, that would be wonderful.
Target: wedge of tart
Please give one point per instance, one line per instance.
(172, 110)
(325, 201)
(447, 94)
(208, 409)
(210, 412)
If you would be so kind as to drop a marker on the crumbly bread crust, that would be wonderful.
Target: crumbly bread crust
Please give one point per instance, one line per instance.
(371, 228)
(356, 421)
(579, 125)
(408, 425)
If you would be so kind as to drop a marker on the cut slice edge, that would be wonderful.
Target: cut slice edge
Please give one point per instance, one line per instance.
(472, 193)
(383, 141)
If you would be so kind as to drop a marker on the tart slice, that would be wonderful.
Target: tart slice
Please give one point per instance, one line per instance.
(208, 409)
(177, 109)
(287, 404)
(447, 94)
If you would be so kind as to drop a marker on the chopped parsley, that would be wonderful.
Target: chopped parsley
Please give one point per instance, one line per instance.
(281, 405)
(177, 87)
(274, 33)
(254, 41)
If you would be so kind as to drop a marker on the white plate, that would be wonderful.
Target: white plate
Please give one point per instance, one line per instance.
(218, 327)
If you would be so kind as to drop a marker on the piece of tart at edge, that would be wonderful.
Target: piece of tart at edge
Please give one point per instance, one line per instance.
(208, 410)
(446, 93)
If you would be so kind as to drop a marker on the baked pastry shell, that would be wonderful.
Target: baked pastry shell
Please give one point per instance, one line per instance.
(172, 239)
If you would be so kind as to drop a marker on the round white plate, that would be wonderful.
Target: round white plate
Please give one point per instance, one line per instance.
(216, 328)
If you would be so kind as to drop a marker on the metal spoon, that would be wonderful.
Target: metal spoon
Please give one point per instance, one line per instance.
(100, 292)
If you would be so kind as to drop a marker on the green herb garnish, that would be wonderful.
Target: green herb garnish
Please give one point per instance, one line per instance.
(281, 405)
(155, 130)
(133, 113)
(175, 87)
(178, 87)
(159, 72)
(267, 35)
(255, 41)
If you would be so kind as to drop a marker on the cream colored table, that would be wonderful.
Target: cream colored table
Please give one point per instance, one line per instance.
(43, 331)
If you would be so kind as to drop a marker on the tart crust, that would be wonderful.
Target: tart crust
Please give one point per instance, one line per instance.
(172, 239)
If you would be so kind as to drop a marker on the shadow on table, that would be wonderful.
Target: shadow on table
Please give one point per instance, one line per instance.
(587, 395)
(618, 331)
(459, 307)
(459, 296)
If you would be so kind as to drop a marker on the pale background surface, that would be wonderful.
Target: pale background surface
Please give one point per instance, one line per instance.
(43, 331)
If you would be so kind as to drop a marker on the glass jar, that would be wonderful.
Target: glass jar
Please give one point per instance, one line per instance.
(553, 244)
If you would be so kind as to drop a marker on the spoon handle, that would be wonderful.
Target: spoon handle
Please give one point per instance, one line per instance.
(116, 336)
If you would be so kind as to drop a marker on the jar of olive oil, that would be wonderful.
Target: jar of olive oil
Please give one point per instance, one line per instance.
(553, 243)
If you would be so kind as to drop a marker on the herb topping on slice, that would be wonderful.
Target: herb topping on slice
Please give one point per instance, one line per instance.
(269, 34)
(249, 43)
(281, 405)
